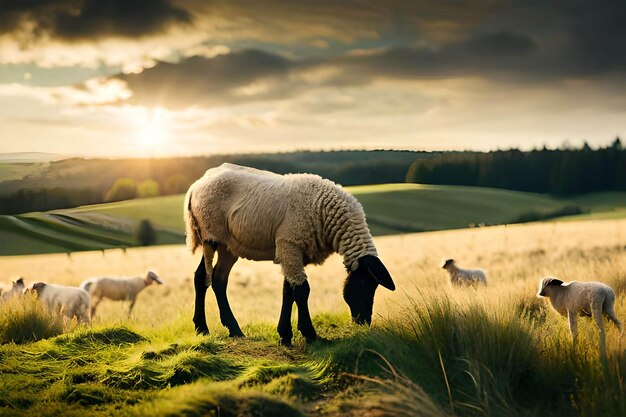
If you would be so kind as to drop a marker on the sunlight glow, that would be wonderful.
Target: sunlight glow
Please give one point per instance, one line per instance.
(152, 127)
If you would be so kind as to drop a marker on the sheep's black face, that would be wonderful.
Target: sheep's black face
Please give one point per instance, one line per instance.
(361, 285)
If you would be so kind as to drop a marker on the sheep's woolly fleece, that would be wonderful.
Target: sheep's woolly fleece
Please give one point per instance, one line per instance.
(293, 219)
(71, 301)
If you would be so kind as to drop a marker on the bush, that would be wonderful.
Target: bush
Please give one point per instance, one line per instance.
(145, 234)
(148, 188)
(122, 189)
(25, 320)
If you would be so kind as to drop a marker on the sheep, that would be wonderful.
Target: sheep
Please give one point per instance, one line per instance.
(118, 289)
(575, 299)
(69, 301)
(293, 220)
(460, 277)
(17, 288)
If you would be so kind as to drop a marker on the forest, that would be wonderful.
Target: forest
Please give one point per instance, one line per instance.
(551, 171)
(561, 172)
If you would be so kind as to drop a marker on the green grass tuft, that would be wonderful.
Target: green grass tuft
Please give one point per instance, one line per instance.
(25, 320)
(202, 399)
(115, 336)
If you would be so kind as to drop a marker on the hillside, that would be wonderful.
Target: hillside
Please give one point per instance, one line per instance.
(390, 209)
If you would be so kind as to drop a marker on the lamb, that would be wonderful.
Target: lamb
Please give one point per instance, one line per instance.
(294, 220)
(17, 288)
(574, 299)
(69, 301)
(118, 289)
(461, 277)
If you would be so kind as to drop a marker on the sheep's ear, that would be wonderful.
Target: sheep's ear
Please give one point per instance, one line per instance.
(20, 281)
(378, 271)
(553, 281)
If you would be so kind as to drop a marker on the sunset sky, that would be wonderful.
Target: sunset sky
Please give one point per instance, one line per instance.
(157, 78)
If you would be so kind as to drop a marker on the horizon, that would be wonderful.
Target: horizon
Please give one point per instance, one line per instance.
(114, 79)
(566, 145)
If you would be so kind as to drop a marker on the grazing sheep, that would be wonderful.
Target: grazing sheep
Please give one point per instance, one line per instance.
(69, 301)
(117, 289)
(574, 299)
(293, 220)
(461, 277)
(17, 288)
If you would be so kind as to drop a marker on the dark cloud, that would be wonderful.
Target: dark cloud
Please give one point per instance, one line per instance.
(487, 55)
(79, 20)
(201, 81)
(522, 41)
(254, 75)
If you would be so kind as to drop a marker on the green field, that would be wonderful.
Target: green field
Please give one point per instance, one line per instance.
(390, 209)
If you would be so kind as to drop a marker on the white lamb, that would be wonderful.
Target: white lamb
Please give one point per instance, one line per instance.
(117, 289)
(591, 299)
(462, 277)
(293, 220)
(69, 301)
(17, 288)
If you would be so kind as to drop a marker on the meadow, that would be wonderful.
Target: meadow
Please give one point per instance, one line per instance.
(432, 350)
(390, 208)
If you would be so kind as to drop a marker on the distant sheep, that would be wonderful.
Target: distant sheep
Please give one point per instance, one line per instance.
(293, 220)
(17, 288)
(591, 299)
(117, 289)
(464, 277)
(69, 301)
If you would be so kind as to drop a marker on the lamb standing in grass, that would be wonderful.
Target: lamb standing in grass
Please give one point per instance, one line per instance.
(294, 220)
(17, 288)
(461, 277)
(69, 301)
(118, 289)
(574, 299)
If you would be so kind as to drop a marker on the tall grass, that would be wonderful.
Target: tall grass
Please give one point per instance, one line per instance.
(485, 359)
(24, 320)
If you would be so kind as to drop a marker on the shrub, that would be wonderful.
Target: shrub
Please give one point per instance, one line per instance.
(122, 189)
(148, 188)
(25, 320)
(145, 234)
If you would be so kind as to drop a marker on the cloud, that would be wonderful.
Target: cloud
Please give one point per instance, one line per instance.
(201, 81)
(79, 20)
(582, 38)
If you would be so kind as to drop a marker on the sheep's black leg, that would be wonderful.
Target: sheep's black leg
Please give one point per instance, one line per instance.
(284, 323)
(225, 262)
(301, 296)
(199, 283)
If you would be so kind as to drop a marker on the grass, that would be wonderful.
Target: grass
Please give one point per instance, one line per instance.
(390, 209)
(432, 351)
(25, 320)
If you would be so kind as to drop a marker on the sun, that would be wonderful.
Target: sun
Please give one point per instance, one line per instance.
(152, 127)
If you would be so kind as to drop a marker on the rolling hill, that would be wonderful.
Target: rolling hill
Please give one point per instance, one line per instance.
(390, 209)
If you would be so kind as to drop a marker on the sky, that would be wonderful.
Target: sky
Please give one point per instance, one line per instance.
(117, 78)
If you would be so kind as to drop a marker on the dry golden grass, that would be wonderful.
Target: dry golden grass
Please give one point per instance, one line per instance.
(514, 257)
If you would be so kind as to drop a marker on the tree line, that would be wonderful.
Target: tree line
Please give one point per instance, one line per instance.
(557, 171)
(74, 182)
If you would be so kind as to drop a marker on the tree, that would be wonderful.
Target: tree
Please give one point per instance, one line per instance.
(145, 233)
(148, 188)
(122, 189)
